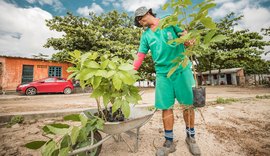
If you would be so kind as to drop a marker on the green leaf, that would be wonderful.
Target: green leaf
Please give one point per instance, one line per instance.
(56, 125)
(112, 65)
(208, 23)
(35, 144)
(104, 64)
(131, 99)
(83, 119)
(87, 73)
(82, 135)
(93, 56)
(55, 130)
(165, 6)
(72, 117)
(172, 71)
(125, 67)
(106, 99)
(117, 82)
(185, 62)
(100, 124)
(76, 54)
(49, 148)
(116, 105)
(218, 38)
(126, 78)
(209, 36)
(187, 2)
(92, 64)
(74, 134)
(97, 80)
(96, 93)
(84, 57)
(66, 141)
(102, 73)
(207, 6)
(72, 69)
(72, 75)
(125, 109)
(111, 73)
(64, 151)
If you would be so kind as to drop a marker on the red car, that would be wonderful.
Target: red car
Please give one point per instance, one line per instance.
(46, 85)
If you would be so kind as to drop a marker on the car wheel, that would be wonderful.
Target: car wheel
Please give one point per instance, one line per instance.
(67, 90)
(31, 91)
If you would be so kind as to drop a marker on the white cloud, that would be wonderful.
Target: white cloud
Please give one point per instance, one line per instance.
(116, 5)
(107, 2)
(57, 5)
(132, 5)
(84, 11)
(23, 31)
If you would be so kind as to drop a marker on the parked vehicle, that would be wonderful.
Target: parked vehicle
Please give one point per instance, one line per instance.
(46, 85)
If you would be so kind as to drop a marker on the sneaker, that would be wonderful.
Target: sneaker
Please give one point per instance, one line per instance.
(193, 147)
(168, 147)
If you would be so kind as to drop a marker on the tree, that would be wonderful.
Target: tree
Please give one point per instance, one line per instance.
(110, 33)
(240, 46)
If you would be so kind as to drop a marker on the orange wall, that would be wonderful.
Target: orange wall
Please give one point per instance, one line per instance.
(12, 75)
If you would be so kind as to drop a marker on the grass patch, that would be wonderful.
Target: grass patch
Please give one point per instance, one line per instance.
(221, 100)
(263, 96)
(15, 119)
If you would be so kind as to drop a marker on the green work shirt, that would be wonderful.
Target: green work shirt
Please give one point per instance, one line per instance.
(162, 53)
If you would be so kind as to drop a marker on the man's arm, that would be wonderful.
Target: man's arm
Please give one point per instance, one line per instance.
(137, 63)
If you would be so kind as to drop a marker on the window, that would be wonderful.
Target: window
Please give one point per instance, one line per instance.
(222, 76)
(55, 71)
(60, 80)
(49, 80)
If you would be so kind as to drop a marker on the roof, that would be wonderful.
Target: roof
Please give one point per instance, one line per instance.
(23, 57)
(223, 71)
(36, 59)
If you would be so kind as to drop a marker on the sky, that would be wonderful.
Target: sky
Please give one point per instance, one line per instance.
(23, 30)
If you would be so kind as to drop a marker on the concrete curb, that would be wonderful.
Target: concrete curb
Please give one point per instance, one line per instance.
(6, 117)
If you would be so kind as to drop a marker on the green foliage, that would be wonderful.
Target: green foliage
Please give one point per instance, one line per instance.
(263, 96)
(109, 33)
(111, 78)
(66, 136)
(238, 50)
(198, 24)
(15, 119)
(221, 100)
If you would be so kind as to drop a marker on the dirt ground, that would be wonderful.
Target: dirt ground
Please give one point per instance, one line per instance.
(236, 129)
(45, 102)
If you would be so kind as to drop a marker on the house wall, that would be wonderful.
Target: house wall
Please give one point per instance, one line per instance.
(13, 67)
(234, 81)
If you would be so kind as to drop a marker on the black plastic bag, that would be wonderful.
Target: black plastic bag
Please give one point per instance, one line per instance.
(199, 96)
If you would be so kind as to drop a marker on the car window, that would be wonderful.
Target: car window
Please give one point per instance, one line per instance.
(60, 80)
(49, 80)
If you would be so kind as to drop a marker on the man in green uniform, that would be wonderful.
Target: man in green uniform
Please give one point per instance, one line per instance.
(177, 86)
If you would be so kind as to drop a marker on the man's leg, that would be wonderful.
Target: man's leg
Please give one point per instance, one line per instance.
(189, 117)
(168, 119)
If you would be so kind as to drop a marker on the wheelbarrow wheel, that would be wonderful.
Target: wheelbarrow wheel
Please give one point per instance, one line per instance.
(93, 152)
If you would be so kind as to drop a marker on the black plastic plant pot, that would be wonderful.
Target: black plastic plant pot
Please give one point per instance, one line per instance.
(199, 96)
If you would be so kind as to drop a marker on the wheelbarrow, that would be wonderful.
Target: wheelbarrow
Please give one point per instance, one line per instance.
(138, 117)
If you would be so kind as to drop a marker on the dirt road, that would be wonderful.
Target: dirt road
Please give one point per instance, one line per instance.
(21, 103)
(236, 129)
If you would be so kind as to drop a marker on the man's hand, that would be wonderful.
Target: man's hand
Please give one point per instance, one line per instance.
(189, 42)
(137, 63)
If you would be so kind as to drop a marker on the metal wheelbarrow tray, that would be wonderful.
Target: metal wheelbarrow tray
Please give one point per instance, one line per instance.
(138, 117)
